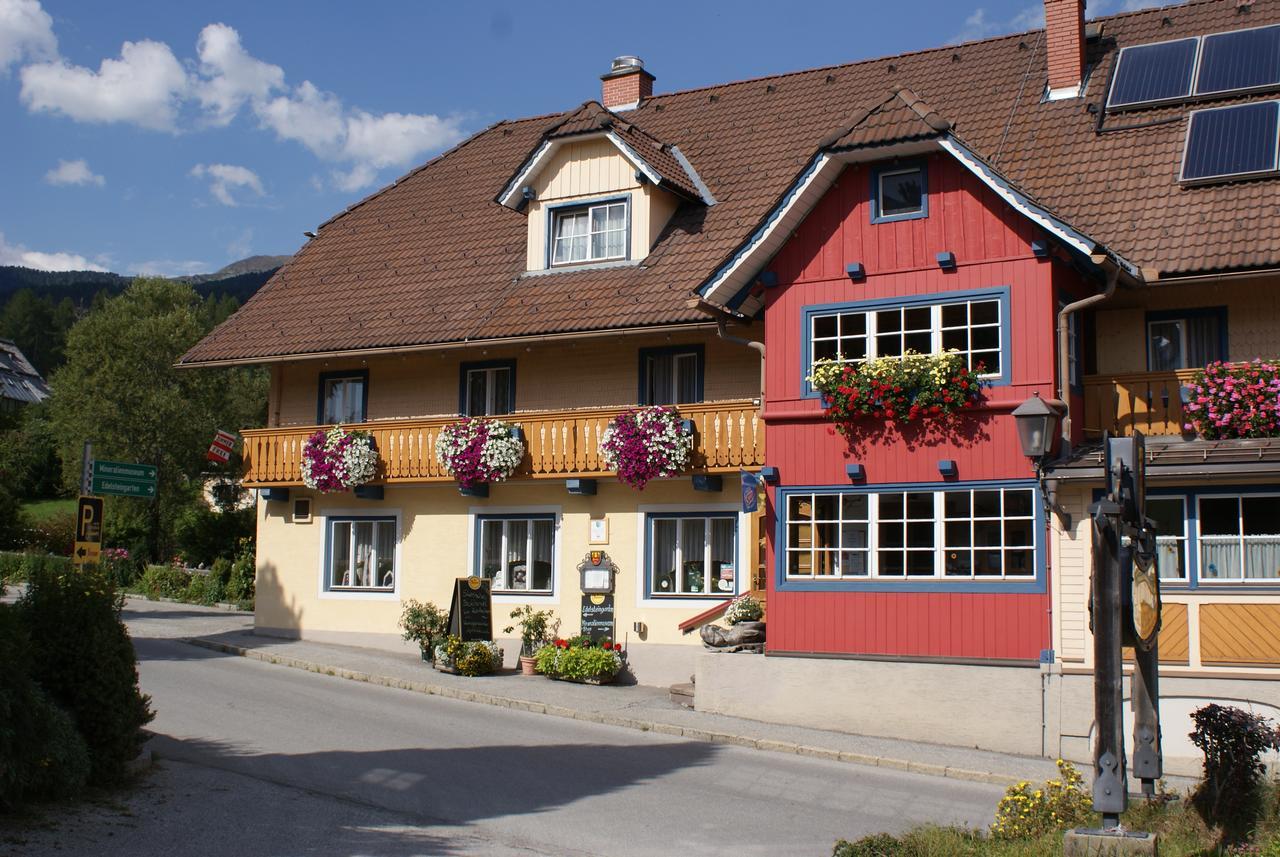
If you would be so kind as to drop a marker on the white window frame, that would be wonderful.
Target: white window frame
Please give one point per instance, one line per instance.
(506, 520)
(328, 518)
(561, 213)
(679, 518)
(936, 330)
(517, 596)
(1240, 540)
(692, 357)
(745, 551)
(328, 382)
(1179, 541)
(490, 392)
(871, 551)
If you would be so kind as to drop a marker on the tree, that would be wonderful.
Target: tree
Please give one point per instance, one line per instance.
(37, 327)
(120, 389)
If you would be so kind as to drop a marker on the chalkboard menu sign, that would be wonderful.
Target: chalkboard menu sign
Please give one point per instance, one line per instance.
(597, 617)
(471, 611)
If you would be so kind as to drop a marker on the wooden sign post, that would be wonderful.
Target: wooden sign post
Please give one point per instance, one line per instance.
(471, 611)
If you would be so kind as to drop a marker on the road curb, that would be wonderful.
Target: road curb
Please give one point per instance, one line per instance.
(608, 719)
(225, 606)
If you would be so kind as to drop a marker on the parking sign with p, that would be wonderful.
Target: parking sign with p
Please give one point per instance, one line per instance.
(88, 529)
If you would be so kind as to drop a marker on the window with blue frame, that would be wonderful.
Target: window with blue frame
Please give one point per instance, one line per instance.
(973, 325)
(899, 192)
(1170, 515)
(692, 555)
(598, 232)
(955, 534)
(361, 554)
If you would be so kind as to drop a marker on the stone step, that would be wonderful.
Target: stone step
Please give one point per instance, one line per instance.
(682, 694)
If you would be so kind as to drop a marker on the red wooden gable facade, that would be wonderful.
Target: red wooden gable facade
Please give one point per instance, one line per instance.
(939, 616)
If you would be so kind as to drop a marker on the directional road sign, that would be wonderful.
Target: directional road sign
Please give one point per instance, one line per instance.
(124, 480)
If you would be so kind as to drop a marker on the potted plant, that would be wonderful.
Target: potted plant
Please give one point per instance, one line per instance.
(338, 460)
(537, 628)
(581, 660)
(454, 656)
(646, 444)
(425, 624)
(479, 451)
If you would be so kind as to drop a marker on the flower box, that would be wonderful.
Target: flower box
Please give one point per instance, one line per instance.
(645, 444)
(479, 451)
(338, 460)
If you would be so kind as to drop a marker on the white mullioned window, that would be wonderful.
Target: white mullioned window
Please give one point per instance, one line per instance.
(980, 534)
(693, 555)
(342, 399)
(589, 233)
(1170, 515)
(518, 553)
(972, 327)
(362, 554)
(488, 391)
(1239, 537)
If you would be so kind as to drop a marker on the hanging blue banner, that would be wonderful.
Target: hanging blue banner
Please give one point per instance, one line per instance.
(750, 492)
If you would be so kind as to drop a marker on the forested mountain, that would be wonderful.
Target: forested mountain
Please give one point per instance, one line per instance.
(37, 308)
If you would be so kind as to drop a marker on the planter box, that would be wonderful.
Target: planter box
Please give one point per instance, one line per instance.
(596, 681)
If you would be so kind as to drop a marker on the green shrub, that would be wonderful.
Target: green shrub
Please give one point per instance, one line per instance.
(240, 585)
(12, 567)
(472, 659)
(165, 581)
(122, 567)
(83, 658)
(13, 522)
(424, 623)
(203, 589)
(41, 754)
(1232, 740)
(1026, 813)
(578, 658)
(876, 845)
(55, 533)
(203, 534)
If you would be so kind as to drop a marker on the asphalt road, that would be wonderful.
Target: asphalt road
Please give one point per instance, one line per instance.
(260, 759)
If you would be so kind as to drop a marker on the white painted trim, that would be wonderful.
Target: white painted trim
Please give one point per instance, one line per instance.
(1033, 213)
(630, 105)
(557, 550)
(636, 161)
(693, 605)
(726, 283)
(510, 194)
(1062, 93)
(326, 594)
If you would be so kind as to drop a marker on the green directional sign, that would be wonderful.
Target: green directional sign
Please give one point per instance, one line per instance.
(124, 480)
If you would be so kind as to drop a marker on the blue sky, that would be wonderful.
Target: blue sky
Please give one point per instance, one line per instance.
(152, 136)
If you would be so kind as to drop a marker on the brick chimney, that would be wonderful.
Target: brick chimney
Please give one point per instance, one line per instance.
(626, 84)
(1064, 37)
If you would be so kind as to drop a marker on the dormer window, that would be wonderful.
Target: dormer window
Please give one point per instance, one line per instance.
(590, 233)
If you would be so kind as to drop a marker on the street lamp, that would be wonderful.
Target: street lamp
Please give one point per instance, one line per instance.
(1037, 422)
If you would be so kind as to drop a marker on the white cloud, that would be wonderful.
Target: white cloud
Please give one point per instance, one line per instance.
(242, 245)
(169, 268)
(26, 33)
(147, 86)
(1098, 8)
(73, 173)
(230, 76)
(16, 254)
(225, 177)
(979, 25)
(144, 87)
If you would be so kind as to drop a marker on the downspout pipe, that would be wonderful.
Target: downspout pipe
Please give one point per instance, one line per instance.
(1064, 344)
(723, 317)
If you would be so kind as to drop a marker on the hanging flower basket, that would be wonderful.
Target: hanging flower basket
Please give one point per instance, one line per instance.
(1226, 401)
(907, 388)
(479, 451)
(338, 460)
(646, 444)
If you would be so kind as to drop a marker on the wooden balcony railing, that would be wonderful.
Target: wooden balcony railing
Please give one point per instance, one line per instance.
(560, 444)
(1148, 401)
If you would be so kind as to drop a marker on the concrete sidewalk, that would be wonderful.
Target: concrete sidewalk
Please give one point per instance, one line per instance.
(632, 707)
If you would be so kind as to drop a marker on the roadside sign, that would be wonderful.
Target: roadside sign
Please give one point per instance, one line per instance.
(224, 442)
(122, 479)
(88, 529)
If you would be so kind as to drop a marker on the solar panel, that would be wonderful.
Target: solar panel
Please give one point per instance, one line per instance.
(1241, 59)
(1230, 142)
(1157, 72)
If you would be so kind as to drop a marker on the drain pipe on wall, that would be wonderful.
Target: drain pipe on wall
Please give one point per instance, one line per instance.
(722, 320)
(1064, 344)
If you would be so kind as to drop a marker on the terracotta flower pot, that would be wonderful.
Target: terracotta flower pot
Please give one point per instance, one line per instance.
(526, 665)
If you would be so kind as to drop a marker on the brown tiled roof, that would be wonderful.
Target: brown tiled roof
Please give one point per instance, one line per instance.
(900, 117)
(434, 259)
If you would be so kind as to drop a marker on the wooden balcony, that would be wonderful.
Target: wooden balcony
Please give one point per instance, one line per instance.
(1148, 401)
(560, 444)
